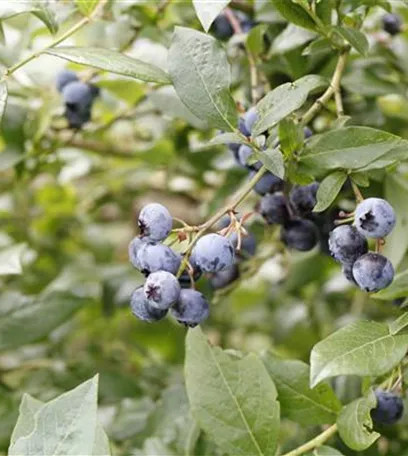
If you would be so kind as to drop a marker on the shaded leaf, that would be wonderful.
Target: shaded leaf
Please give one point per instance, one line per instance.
(355, 424)
(354, 37)
(10, 259)
(294, 13)
(363, 348)
(233, 400)
(208, 10)
(284, 100)
(273, 161)
(65, 425)
(200, 73)
(298, 402)
(112, 61)
(329, 189)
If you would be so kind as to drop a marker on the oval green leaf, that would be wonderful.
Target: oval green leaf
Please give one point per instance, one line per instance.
(329, 189)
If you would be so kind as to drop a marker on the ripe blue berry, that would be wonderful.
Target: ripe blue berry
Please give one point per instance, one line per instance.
(375, 218)
(273, 208)
(251, 116)
(307, 132)
(303, 198)
(65, 77)
(134, 247)
(162, 289)
(222, 279)
(155, 222)
(153, 257)
(78, 97)
(269, 183)
(389, 408)
(143, 310)
(346, 244)
(248, 244)
(392, 24)
(373, 272)
(348, 272)
(191, 309)
(299, 234)
(242, 157)
(184, 279)
(222, 28)
(213, 253)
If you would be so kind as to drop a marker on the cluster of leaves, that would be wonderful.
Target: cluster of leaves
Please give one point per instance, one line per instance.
(68, 202)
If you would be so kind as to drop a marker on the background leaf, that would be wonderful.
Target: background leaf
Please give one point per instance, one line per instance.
(362, 348)
(40, 8)
(354, 37)
(201, 76)
(233, 400)
(112, 61)
(86, 6)
(397, 289)
(294, 13)
(10, 259)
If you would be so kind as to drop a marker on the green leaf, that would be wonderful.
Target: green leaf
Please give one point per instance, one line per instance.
(40, 8)
(316, 47)
(294, 13)
(326, 451)
(207, 11)
(225, 138)
(29, 406)
(233, 400)
(349, 148)
(255, 39)
(101, 445)
(291, 136)
(284, 100)
(10, 259)
(65, 425)
(329, 189)
(355, 424)
(201, 76)
(324, 11)
(3, 98)
(273, 160)
(86, 6)
(26, 319)
(354, 37)
(396, 188)
(290, 38)
(399, 324)
(112, 61)
(397, 289)
(363, 348)
(298, 402)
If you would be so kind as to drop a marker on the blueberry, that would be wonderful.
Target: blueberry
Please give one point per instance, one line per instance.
(307, 132)
(251, 116)
(143, 310)
(303, 197)
(162, 289)
(300, 234)
(269, 183)
(134, 247)
(155, 222)
(347, 269)
(347, 244)
(153, 257)
(373, 272)
(242, 158)
(375, 218)
(222, 28)
(248, 244)
(273, 208)
(213, 253)
(224, 222)
(242, 127)
(65, 77)
(222, 279)
(184, 279)
(389, 408)
(247, 25)
(392, 24)
(191, 309)
(78, 98)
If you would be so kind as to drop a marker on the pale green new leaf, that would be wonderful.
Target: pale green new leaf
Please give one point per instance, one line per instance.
(298, 401)
(200, 73)
(10, 259)
(233, 400)
(208, 10)
(284, 100)
(362, 348)
(329, 189)
(111, 61)
(86, 6)
(64, 426)
(40, 8)
(355, 424)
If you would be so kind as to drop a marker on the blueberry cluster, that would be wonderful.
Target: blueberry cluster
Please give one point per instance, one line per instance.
(392, 23)
(374, 218)
(163, 290)
(294, 211)
(78, 98)
(389, 408)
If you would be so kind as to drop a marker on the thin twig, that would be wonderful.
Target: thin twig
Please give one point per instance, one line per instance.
(314, 443)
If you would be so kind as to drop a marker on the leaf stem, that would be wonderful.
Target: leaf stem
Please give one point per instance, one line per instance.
(84, 21)
(357, 193)
(333, 89)
(314, 443)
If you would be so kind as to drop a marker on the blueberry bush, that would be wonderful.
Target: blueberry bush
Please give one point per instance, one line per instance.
(204, 227)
